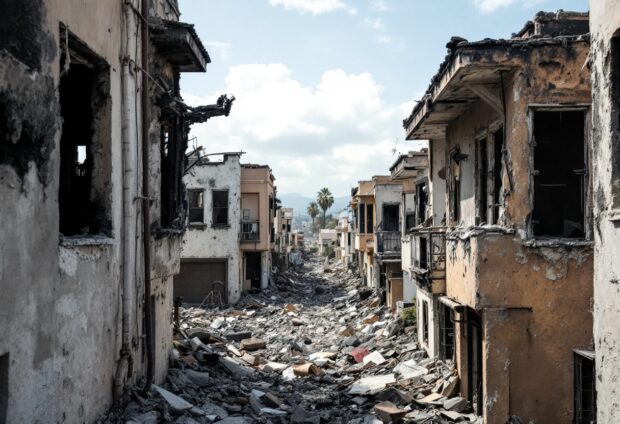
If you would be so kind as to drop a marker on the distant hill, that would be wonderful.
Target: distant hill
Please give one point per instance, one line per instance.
(300, 203)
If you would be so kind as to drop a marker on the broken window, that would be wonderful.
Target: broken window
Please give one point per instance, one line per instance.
(362, 218)
(84, 107)
(370, 218)
(585, 387)
(498, 148)
(615, 120)
(425, 321)
(455, 186)
(196, 206)
(447, 333)
(220, 208)
(474, 360)
(482, 181)
(421, 192)
(390, 217)
(410, 221)
(4, 387)
(559, 174)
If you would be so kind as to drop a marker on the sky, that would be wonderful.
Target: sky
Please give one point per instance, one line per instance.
(322, 86)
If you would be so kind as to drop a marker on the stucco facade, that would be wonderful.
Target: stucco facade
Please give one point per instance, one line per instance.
(605, 64)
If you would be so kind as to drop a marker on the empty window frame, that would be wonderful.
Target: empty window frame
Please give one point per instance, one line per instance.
(370, 218)
(220, 208)
(584, 387)
(455, 186)
(498, 155)
(615, 120)
(425, 321)
(84, 91)
(391, 214)
(421, 195)
(482, 181)
(4, 388)
(410, 221)
(446, 333)
(559, 173)
(362, 218)
(196, 206)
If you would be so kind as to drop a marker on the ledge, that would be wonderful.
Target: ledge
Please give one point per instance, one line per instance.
(557, 242)
(196, 225)
(89, 240)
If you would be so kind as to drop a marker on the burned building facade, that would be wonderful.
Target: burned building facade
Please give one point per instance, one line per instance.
(508, 127)
(91, 162)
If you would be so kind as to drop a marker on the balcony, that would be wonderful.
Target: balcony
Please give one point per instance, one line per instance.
(429, 257)
(250, 231)
(388, 241)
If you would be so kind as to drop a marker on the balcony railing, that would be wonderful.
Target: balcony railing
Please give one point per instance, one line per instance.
(429, 253)
(250, 231)
(388, 241)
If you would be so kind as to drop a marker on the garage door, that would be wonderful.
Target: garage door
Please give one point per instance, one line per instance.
(196, 281)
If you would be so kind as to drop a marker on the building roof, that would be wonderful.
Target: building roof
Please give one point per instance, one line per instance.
(179, 43)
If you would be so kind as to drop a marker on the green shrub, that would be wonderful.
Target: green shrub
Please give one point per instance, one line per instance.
(409, 316)
(314, 249)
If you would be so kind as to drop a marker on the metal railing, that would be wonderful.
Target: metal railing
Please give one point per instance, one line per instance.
(250, 231)
(388, 241)
(429, 252)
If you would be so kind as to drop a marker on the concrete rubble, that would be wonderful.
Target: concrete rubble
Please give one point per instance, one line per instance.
(286, 356)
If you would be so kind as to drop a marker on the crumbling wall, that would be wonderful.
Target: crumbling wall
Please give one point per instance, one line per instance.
(206, 241)
(605, 22)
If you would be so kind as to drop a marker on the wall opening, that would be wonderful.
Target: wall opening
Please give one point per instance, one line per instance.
(390, 217)
(584, 387)
(84, 172)
(425, 321)
(253, 269)
(482, 182)
(559, 174)
(362, 218)
(421, 195)
(446, 333)
(196, 206)
(498, 147)
(474, 360)
(615, 120)
(220, 208)
(370, 218)
(454, 193)
(4, 388)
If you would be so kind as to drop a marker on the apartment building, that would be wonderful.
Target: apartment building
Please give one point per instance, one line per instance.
(283, 226)
(258, 210)
(210, 255)
(344, 245)
(508, 129)
(603, 382)
(90, 181)
(363, 207)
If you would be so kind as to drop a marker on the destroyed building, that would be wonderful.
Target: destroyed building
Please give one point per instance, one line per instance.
(363, 206)
(283, 246)
(258, 206)
(210, 256)
(92, 151)
(508, 129)
(604, 385)
(344, 246)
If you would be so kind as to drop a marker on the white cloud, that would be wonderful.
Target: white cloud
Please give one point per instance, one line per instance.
(488, 6)
(332, 133)
(380, 5)
(375, 24)
(221, 48)
(315, 7)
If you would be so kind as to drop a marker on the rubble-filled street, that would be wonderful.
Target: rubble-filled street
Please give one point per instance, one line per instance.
(317, 348)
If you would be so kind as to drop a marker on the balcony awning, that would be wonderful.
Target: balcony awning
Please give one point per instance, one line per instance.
(179, 44)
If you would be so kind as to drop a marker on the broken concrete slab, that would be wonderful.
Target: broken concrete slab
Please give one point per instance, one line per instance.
(200, 379)
(388, 412)
(175, 402)
(457, 404)
(253, 344)
(305, 370)
(375, 358)
(372, 384)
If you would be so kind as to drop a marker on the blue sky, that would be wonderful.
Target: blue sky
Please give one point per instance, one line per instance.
(322, 86)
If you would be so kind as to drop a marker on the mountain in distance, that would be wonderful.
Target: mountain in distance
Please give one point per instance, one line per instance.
(300, 203)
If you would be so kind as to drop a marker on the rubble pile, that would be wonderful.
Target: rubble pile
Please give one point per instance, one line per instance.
(316, 348)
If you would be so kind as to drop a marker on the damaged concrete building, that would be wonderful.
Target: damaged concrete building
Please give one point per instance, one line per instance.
(283, 246)
(605, 63)
(508, 129)
(92, 151)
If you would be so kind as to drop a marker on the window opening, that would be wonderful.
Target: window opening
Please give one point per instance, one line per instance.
(421, 191)
(362, 221)
(425, 321)
(498, 147)
(585, 389)
(196, 206)
(483, 176)
(474, 360)
(615, 120)
(4, 388)
(390, 217)
(410, 221)
(447, 333)
(559, 176)
(83, 95)
(369, 219)
(455, 186)
(220, 208)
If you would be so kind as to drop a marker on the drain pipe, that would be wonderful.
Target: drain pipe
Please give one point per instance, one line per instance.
(149, 320)
(129, 136)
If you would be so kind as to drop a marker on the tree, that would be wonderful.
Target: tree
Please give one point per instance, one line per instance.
(325, 200)
(313, 211)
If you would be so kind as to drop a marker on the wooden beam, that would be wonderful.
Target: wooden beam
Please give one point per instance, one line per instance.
(490, 95)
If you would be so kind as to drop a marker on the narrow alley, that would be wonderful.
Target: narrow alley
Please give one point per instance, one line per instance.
(315, 348)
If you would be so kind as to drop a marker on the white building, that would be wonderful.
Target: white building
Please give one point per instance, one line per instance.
(327, 237)
(344, 251)
(210, 264)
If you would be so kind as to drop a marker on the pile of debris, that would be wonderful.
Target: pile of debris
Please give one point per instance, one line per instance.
(316, 348)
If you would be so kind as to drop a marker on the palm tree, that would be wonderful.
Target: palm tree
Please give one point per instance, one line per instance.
(325, 200)
(313, 211)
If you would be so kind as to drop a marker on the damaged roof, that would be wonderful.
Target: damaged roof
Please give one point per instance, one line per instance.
(473, 70)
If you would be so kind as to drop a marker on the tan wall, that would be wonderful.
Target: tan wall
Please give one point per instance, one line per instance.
(257, 180)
